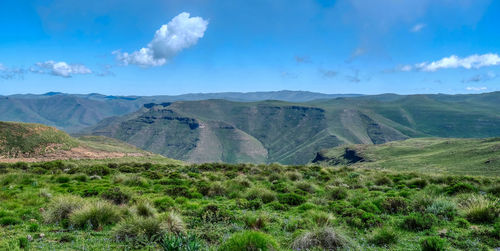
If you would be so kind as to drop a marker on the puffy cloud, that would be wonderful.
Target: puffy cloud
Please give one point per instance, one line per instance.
(417, 27)
(180, 33)
(10, 73)
(61, 69)
(472, 88)
(474, 61)
(471, 62)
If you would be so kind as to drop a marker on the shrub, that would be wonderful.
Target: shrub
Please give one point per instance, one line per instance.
(394, 205)
(337, 193)
(320, 218)
(249, 241)
(9, 220)
(256, 222)
(178, 242)
(116, 195)
(145, 209)
(23, 242)
(433, 243)
(291, 199)
(275, 205)
(419, 222)
(95, 215)
(216, 189)
(61, 207)
(369, 207)
(483, 212)
(96, 170)
(383, 180)
(81, 177)
(164, 203)
(173, 223)
(139, 228)
(462, 223)
(383, 237)
(324, 238)
(33, 227)
(461, 188)
(417, 183)
(294, 175)
(306, 186)
(63, 179)
(442, 208)
(263, 194)
(421, 202)
(495, 190)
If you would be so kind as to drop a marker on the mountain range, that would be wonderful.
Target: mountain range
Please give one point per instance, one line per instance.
(289, 131)
(72, 112)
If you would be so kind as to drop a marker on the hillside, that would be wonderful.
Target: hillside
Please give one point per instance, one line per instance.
(35, 142)
(72, 112)
(292, 133)
(428, 155)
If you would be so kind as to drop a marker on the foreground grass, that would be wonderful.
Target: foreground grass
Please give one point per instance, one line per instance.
(146, 206)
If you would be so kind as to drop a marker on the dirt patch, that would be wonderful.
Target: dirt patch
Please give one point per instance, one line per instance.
(74, 153)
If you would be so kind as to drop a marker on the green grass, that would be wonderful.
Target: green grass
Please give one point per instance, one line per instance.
(25, 140)
(151, 206)
(427, 155)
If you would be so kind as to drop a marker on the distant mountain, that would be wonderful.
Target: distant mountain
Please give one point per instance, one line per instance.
(72, 112)
(292, 133)
(428, 155)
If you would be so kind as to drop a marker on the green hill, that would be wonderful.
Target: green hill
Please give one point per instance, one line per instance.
(36, 142)
(429, 155)
(25, 140)
(292, 133)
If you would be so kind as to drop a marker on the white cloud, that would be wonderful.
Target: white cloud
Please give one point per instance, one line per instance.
(61, 69)
(481, 77)
(180, 33)
(474, 61)
(10, 73)
(417, 27)
(471, 62)
(472, 88)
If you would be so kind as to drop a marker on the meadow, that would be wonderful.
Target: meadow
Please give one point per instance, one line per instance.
(72, 205)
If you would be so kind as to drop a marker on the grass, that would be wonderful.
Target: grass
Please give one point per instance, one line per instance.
(427, 155)
(240, 207)
(25, 140)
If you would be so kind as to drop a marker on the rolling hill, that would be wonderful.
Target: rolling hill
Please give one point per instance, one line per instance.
(72, 112)
(292, 133)
(35, 142)
(428, 155)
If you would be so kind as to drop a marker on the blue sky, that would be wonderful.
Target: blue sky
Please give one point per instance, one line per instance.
(343, 46)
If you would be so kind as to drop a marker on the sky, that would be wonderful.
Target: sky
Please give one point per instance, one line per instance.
(156, 47)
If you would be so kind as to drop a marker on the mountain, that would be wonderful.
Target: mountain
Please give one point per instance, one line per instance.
(35, 142)
(429, 155)
(292, 133)
(72, 112)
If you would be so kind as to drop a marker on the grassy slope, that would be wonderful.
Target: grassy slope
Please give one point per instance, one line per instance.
(35, 141)
(355, 202)
(292, 133)
(429, 155)
(25, 140)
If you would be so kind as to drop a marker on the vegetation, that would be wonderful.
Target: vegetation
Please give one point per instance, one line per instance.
(76, 205)
(427, 155)
(24, 140)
